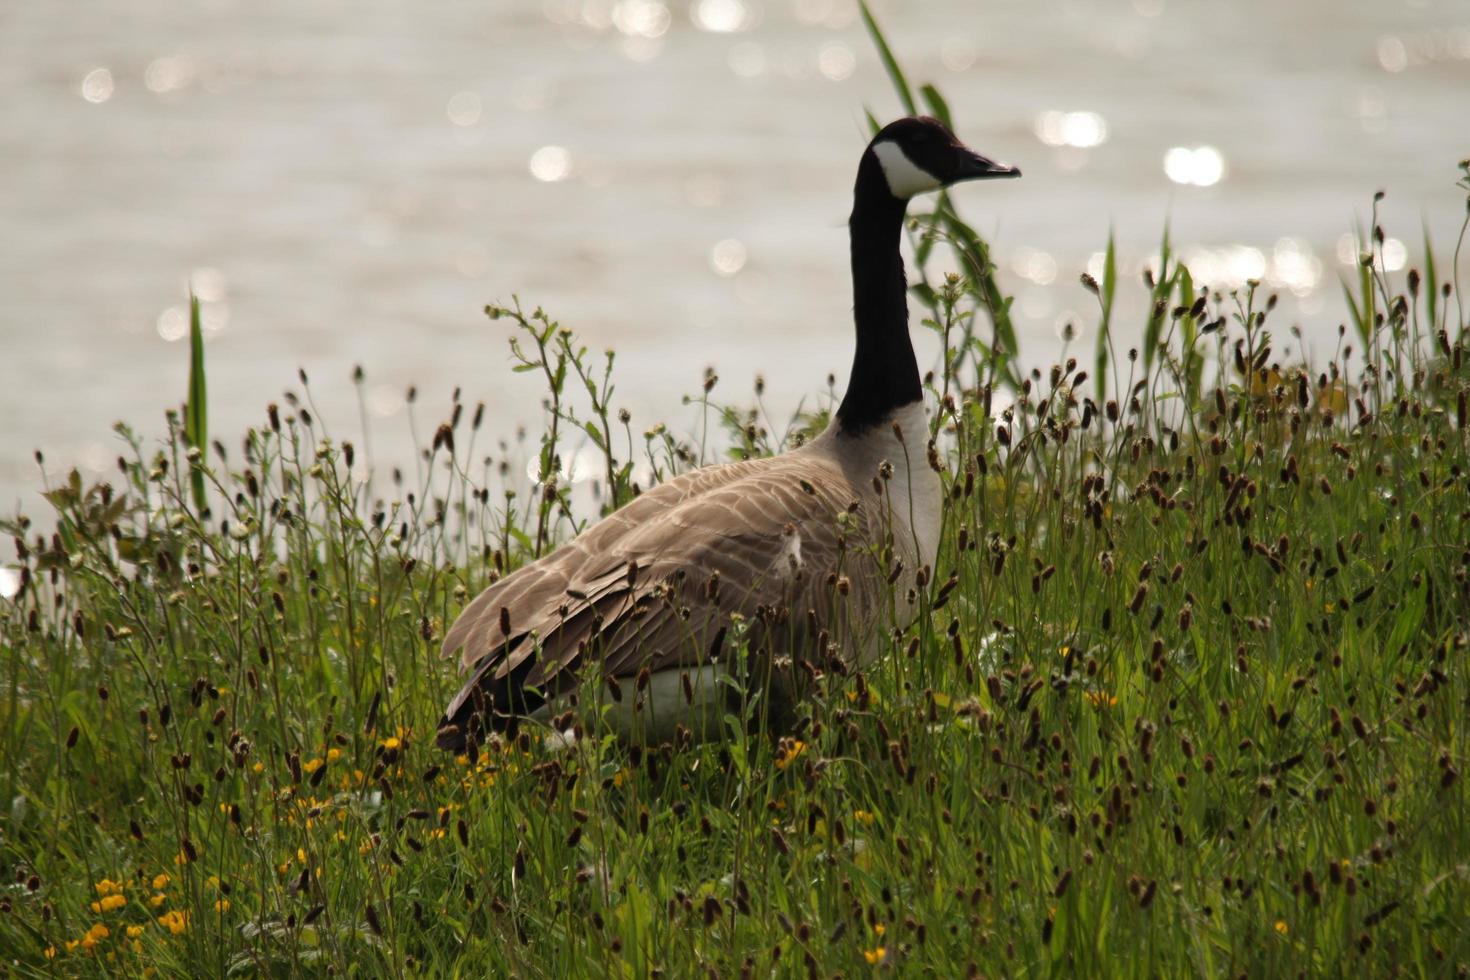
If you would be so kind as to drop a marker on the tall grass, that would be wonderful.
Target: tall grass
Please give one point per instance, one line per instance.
(1187, 693)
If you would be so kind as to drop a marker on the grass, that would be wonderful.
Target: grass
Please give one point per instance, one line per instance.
(1187, 694)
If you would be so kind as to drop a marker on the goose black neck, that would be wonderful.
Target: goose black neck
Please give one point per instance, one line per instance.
(885, 374)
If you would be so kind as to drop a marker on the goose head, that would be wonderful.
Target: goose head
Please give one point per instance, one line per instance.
(918, 154)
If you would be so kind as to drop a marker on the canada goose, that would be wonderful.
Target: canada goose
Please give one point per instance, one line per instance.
(645, 596)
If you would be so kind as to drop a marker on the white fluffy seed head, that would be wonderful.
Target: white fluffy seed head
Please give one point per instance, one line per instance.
(905, 178)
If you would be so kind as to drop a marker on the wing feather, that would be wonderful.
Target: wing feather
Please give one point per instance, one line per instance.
(767, 530)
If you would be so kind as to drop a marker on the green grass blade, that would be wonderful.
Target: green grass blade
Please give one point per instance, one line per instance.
(873, 124)
(890, 64)
(196, 413)
(1104, 330)
(1431, 283)
(937, 105)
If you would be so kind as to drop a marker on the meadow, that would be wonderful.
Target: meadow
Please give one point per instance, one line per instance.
(1187, 694)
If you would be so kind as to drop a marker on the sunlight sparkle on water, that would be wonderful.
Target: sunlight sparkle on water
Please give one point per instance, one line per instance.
(641, 18)
(1080, 129)
(208, 283)
(1200, 166)
(97, 85)
(720, 16)
(836, 61)
(1226, 267)
(957, 53)
(1034, 265)
(551, 163)
(464, 108)
(173, 324)
(1393, 56)
(1395, 254)
(1294, 266)
(168, 74)
(728, 257)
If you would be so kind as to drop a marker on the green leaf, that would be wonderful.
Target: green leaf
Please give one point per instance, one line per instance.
(873, 124)
(1104, 330)
(1431, 283)
(936, 104)
(196, 414)
(890, 64)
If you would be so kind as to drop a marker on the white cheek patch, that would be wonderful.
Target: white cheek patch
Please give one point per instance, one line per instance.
(905, 178)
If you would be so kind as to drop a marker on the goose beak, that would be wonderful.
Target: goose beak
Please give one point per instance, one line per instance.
(973, 166)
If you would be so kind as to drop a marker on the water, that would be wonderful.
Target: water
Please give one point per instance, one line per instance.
(349, 183)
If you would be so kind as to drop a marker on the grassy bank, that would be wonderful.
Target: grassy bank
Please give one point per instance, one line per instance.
(1187, 693)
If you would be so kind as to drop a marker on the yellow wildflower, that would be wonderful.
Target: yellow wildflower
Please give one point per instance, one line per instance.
(788, 750)
(311, 765)
(110, 903)
(391, 742)
(259, 767)
(1281, 926)
(879, 929)
(333, 755)
(863, 817)
(1100, 699)
(222, 906)
(160, 881)
(51, 952)
(158, 899)
(134, 932)
(108, 887)
(875, 956)
(175, 921)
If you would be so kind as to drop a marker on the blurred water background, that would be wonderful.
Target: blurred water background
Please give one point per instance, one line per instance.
(347, 183)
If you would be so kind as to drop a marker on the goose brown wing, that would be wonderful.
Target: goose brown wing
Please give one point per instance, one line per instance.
(531, 591)
(769, 535)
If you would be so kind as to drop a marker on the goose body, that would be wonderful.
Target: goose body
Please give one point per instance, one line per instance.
(779, 550)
